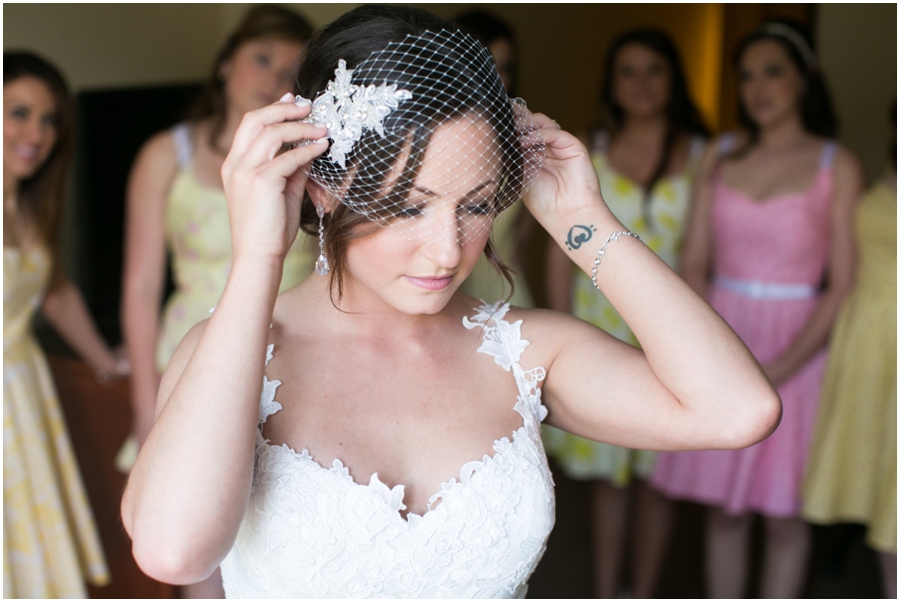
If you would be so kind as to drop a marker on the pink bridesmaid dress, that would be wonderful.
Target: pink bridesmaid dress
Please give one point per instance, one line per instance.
(770, 257)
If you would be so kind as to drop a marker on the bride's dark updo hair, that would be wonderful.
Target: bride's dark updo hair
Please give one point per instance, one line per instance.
(436, 99)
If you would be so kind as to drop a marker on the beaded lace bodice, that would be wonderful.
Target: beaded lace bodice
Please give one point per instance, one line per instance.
(312, 531)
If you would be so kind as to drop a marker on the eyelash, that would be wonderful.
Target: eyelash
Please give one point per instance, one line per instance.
(410, 212)
(478, 210)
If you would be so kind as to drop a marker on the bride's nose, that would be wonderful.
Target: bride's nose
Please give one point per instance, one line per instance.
(443, 244)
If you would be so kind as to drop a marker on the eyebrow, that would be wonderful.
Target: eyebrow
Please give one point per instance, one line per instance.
(434, 195)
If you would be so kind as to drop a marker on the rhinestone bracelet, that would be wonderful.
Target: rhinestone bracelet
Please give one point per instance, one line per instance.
(612, 238)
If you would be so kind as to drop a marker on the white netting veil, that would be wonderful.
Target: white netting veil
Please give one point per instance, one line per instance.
(424, 139)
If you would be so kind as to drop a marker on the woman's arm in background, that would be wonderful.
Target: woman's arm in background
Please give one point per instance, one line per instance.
(144, 272)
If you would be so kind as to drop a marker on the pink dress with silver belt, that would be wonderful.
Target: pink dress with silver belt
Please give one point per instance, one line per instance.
(770, 257)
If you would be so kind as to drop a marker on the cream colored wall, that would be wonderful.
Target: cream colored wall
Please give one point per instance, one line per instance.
(562, 46)
(116, 45)
(858, 50)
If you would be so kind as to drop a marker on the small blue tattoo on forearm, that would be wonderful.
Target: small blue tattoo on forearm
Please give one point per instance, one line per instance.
(579, 235)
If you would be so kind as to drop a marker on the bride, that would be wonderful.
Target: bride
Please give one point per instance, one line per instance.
(374, 432)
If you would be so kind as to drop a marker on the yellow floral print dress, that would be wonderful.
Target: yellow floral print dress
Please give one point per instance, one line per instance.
(50, 541)
(668, 209)
(485, 282)
(199, 240)
(198, 236)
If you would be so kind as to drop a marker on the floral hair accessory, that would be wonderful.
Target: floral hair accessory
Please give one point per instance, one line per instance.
(347, 110)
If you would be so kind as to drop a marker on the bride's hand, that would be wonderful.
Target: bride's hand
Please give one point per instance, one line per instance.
(567, 184)
(263, 186)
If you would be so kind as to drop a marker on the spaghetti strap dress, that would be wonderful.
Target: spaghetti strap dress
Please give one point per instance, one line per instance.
(770, 257)
(50, 540)
(198, 239)
(852, 474)
(581, 458)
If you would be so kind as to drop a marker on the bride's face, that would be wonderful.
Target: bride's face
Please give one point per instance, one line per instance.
(416, 264)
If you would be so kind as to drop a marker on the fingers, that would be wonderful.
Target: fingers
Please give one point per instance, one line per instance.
(254, 121)
(544, 122)
(274, 136)
(263, 132)
(290, 162)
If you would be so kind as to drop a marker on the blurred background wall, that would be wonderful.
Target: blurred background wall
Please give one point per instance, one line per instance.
(562, 46)
(112, 46)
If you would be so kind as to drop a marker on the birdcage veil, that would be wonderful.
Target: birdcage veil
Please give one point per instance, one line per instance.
(383, 115)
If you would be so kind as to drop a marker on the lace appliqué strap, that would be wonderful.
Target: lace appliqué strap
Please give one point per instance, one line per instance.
(267, 403)
(504, 341)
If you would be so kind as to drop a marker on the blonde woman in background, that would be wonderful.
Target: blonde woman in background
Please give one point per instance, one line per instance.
(852, 474)
(176, 204)
(646, 163)
(770, 245)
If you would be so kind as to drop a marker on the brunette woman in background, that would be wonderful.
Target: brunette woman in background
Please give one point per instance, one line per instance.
(646, 157)
(770, 245)
(176, 205)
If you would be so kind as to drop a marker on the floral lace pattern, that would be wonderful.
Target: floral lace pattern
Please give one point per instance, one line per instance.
(312, 531)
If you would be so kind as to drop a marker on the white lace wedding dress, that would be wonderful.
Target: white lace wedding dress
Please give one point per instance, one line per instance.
(313, 532)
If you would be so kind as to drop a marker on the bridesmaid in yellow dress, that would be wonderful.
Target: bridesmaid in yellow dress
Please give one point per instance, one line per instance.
(646, 164)
(513, 227)
(50, 541)
(176, 204)
(852, 474)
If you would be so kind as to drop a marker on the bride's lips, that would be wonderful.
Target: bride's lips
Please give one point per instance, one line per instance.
(432, 283)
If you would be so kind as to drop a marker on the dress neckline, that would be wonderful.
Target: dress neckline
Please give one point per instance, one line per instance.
(191, 171)
(601, 151)
(397, 493)
(37, 250)
(680, 175)
(772, 198)
(823, 169)
(501, 340)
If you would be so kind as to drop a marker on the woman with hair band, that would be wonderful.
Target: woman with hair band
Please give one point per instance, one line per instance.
(50, 542)
(373, 432)
(176, 206)
(646, 159)
(770, 244)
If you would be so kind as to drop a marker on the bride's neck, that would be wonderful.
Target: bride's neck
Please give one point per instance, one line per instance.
(364, 313)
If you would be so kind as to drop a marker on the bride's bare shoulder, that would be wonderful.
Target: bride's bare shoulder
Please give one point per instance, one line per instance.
(548, 331)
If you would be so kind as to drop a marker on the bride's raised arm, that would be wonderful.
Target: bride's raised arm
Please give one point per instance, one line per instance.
(190, 485)
(694, 384)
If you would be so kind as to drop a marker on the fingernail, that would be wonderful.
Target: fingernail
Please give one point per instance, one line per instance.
(319, 124)
(321, 140)
(301, 102)
(287, 97)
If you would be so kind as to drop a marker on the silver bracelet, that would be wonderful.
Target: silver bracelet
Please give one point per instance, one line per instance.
(612, 238)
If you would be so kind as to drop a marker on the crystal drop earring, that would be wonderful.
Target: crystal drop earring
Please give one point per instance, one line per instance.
(322, 267)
